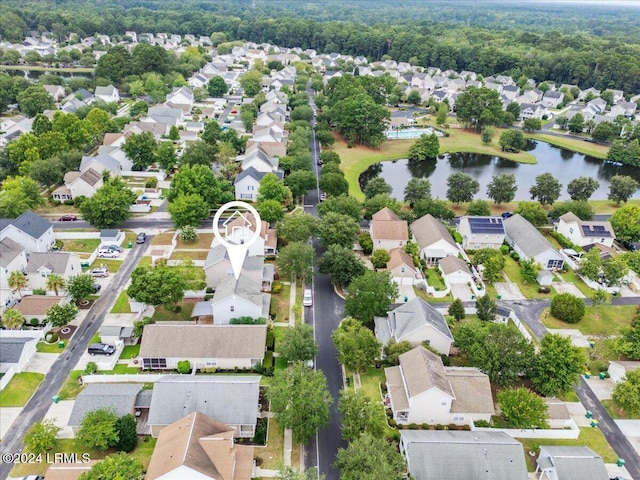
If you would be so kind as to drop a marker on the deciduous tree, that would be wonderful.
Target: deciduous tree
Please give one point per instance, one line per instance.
(334, 184)
(341, 264)
(502, 188)
(377, 186)
(298, 344)
(360, 415)
(456, 309)
(188, 209)
(297, 227)
(337, 229)
(582, 188)
(357, 346)
(370, 458)
(380, 257)
(621, 188)
(627, 393)
(532, 212)
(512, 140)
(60, 315)
(217, 87)
(567, 307)
(34, 100)
(478, 107)
(270, 211)
(80, 286)
(461, 187)
(127, 435)
(117, 466)
(479, 208)
(425, 147)
(369, 295)
(557, 365)
(296, 261)
(626, 223)
(417, 189)
(435, 207)
(546, 189)
(109, 206)
(300, 182)
(41, 437)
(99, 430)
(522, 408)
(159, 285)
(486, 308)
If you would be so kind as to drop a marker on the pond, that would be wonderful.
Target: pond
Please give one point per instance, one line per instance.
(562, 164)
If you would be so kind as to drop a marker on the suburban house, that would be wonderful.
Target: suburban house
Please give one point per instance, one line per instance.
(570, 463)
(247, 183)
(415, 322)
(530, 244)
(112, 334)
(618, 369)
(584, 233)
(239, 229)
(401, 267)
(15, 352)
(107, 94)
(37, 306)
(422, 390)
(532, 110)
(204, 346)
(12, 258)
(259, 160)
(232, 400)
(34, 233)
(200, 448)
(55, 91)
(388, 231)
(41, 265)
(240, 297)
(182, 98)
(552, 98)
(101, 163)
(273, 149)
(217, 269)
(119, 397)
(455, 271)
(432, 454)
(79, 184)
(481, 232)
(434, 239)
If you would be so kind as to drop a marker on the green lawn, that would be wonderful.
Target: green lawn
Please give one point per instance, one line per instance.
(122, 303)
(71, 388)
(370, 382)
(589, 437)
(570, 276)
(434, 278)
(203, 242)
(130, 351)
(144, 450)
(44, 347)
(574, 144)
(188, 255)
(20, 388)
(606, 320)
(163, 239)
(529, 290)
(112, 265)
(162, 314)
(85, 245)
(280, 304)
(120, 369)
(278, 333)
(423, 295)
(615, 411)
(273, 454)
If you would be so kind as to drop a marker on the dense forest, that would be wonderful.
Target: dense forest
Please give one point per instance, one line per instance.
(567, 43)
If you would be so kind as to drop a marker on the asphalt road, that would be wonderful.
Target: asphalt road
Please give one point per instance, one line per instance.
(36, 408)
(608, 427)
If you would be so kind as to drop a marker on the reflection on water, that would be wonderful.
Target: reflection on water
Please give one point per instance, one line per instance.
(563, 164)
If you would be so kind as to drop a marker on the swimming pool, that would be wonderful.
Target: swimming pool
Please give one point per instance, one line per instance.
(409, 133)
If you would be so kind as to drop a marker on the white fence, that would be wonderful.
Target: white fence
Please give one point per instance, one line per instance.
(159, 175)
(516, 321)
(571, 432)
(140, 208)
(6, 378)
(124, 378)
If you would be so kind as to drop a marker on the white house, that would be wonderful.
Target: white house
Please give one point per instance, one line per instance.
(107, 94)
(199, 447)
(237, 231)
(388, 231)
(217, 269)
(552, 98)
(401, 267)
(481, 232)
(78, 184)
(569, 463)
(415, 322)
(529, 243)
(532, 110)
(101, 163)
(618, 369)
(584, 233)
(434, 239)
(34, 233)
(43, 264)
(13, 258)
(15, 351)
(259, 160)
(204, 346)
(455, 271)
(422, 390)
(247, 183)
(181, 97)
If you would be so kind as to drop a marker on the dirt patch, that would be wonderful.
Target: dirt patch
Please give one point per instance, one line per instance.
(66, 332)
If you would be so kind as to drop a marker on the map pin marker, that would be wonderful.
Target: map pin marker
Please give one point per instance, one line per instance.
(242, 229)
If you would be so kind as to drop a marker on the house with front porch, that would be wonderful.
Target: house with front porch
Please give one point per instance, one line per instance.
(217, 269)
(530, 244)
(43, 264)
(434, 239)
(422, 390)
(247, 183)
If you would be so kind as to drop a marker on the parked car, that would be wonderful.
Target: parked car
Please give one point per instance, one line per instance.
(507, 214)
(99, 272)
(96, 287)
(544, 290)
(108, 253)
(67, 218)
(320, 162)
(323, 197)
(115, 248)
(101, 349)
(141, 237)
(307, 298)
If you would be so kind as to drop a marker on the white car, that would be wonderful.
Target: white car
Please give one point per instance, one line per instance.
(307, 298)
(108, 253)
(99, 272)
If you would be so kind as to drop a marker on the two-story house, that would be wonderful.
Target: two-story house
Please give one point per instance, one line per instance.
(481, 232)
(43, 264)
(388, 231)
(584, 233)
(31, 231)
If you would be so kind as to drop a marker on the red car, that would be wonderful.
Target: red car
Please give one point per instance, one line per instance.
(67, 218)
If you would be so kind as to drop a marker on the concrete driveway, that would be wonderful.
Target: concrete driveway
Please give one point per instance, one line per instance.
(7, 417)
(577, 338)
(631, 429)
(461, 291)
(567, 287)
(405, 291)
(41, 362)
(60, 413)
(508, 291)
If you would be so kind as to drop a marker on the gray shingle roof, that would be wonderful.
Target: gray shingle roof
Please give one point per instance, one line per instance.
(32, 224)
(242, 287)
(463, 455)
(250, 172)
(109, 233)
(415, 314)
(9, 250)
(119, 397)
(453, 264)
(576, 463)
(56, 262)
(106, 160)
(231, 400)
(11, 348)
(526, 236)
(428, 230)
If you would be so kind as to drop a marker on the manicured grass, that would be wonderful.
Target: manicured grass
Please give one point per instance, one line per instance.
(370, 382)
(71, 388)
(569, 396)
(280, 363)
(607, 320)
(607, 206)
(188, 255)
(574, 144)
(112, 265)
(144, 450)
(589, 437)
(120, 369)
(85, 245)
(435, 279)
(615, 411)
(204, 241)
(20, 388)
(49, 209)
(122, 303)
(44, 347)
(162, 314)
(163, 239)
(570, 276)
(144, 262)
(130, 351)
(529, 290)
(273, 453)
(280, 302)
(423, 295)
(278, 333)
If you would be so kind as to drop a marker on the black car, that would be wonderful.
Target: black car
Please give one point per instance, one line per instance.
(141, 237)
(507, 214)
(101, 349)
(96, 287)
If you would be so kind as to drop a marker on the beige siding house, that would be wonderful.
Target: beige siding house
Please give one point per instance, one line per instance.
(584, 233)
(41, 265)
(388, 231)
(401, 267)
(481, 232)
(434, 239)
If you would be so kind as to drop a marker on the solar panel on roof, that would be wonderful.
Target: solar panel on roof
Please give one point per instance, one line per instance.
(595, 231)
(490, 225)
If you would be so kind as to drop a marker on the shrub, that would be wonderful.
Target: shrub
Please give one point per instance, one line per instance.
(504, 249)
(271, 338)
(247, 321)
(481, 424)
(51, 337)
(567, 307)
(152, 182)
(515, 255)
(78, 200)
(68, 202)
(364, 239)
(34, 322)
(184, 366)
(276, 287)
(188, 234)
(90, 369)
(39, 291)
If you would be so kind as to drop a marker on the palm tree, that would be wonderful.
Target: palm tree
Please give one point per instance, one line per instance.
(17, 280)
(55, 283)
(12, 319)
